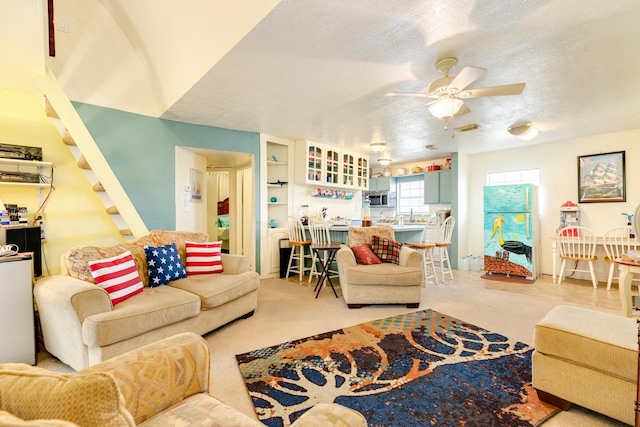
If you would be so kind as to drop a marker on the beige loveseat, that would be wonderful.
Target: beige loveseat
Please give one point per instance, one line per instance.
(81, 326)
(165, 383)
(588, 358)
(385, 283)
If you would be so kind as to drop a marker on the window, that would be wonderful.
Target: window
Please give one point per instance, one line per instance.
(526, 176)
(410, 195)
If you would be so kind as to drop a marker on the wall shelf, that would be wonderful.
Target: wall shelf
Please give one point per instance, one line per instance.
(32, 167)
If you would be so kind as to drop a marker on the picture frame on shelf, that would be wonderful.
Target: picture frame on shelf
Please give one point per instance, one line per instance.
(601, 178)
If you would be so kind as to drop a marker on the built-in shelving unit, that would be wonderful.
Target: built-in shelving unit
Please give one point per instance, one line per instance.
(277, 184)
(30, 173)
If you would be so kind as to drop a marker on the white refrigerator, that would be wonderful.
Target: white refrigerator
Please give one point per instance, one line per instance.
(17, 335)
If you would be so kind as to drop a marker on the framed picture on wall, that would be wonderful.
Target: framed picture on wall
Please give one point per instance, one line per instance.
(196, 185)
(601, 178)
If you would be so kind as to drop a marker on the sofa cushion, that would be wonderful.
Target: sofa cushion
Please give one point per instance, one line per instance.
(165, 237)
(364, 255)
(164, 264)
(118, 276)
(217, 289)
(151, 309)
(203, 258)
(387, 250)
(9, 420)
(385, 273)
(77, 259)
(85, 399)
(200, 410)
(363, 235)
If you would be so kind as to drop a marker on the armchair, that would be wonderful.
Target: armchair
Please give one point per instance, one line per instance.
(165, 383)
(386, 283)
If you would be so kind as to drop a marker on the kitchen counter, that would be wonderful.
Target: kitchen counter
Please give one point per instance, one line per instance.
(404, 233)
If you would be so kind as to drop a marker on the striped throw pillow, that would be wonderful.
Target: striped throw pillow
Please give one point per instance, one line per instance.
(204, 258)
(118, 276)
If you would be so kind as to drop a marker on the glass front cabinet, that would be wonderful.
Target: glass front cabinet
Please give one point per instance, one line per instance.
(330, 166)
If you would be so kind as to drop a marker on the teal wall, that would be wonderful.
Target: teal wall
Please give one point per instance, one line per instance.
(141, 152)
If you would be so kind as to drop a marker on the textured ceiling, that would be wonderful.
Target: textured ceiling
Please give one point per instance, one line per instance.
(319, 70)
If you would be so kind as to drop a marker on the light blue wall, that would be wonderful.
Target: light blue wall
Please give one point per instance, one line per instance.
(141, 152)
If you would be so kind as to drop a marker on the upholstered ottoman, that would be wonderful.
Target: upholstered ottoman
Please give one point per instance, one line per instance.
(587, 358)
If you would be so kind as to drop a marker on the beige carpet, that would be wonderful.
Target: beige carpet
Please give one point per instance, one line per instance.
(288, 310)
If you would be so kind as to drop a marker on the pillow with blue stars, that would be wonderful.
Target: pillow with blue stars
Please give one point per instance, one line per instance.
(164, 264)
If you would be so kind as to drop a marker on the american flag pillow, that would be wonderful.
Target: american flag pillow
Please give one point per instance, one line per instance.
(204, 258)
(118, 276)
(164, 264)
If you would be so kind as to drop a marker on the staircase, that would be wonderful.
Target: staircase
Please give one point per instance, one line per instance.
(110, 203)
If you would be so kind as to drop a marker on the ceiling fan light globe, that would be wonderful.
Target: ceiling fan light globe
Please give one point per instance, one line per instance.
(384, 162)
(446, 108)
(525, 132)
(378, 146)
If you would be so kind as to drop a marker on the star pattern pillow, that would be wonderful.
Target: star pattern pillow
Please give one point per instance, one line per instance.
(164, 264)
(386, 250)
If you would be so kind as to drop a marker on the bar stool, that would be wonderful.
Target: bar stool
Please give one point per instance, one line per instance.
(319, 236)
(298, 243)
(425, 247)
(442, 247)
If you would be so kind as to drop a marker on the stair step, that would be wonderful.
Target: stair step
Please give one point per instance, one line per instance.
(112, 210)
(126, 232)
(67, 139)
(48, 108)
(97, 187)
(83, 164)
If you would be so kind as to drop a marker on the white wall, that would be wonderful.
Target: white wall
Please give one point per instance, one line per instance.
(557, 162)
(190, 215)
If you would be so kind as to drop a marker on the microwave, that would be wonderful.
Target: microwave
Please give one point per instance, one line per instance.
(384, 199)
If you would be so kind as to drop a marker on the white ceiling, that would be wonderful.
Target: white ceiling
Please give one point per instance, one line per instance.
(319, 70)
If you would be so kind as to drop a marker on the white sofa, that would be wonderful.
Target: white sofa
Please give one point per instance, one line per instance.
(81, 327)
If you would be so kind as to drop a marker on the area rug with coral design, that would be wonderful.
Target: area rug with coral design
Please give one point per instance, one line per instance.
(422, 369)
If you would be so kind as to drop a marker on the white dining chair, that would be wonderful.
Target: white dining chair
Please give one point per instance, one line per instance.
(577, 244)
(617, 242)
(426, 246)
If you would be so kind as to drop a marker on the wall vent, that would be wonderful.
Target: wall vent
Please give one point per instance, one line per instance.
(467, 128)
(431, 147)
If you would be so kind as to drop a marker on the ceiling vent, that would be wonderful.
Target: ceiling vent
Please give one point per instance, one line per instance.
(467, 128)
(431, 147)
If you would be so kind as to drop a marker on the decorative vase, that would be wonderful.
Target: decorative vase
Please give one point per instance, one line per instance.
(273, 223)
(273, 199)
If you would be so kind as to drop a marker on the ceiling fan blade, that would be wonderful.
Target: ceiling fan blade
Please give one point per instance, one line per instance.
(512, 89)
(467, 76)
(463, 110)
(413, 94)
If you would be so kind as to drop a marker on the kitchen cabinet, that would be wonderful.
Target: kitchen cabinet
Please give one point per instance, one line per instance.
(329, 166)
(437, 187)
(273, 243)
(380, 184)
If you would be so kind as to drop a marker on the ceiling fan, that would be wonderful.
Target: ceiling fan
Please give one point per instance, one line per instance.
(449, 91)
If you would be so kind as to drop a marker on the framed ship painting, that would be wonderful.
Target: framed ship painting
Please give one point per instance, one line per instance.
(601, 178)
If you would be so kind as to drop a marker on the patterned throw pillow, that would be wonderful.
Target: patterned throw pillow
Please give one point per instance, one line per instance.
(118, 276)
(164, 264)
(204, 258)
(386, 250)
(364, 255)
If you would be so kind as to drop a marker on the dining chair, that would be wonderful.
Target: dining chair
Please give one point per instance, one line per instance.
(426, 246)
(298, 242)
(617, 242)
(577, 243)
(443, 241)
(319, 230)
